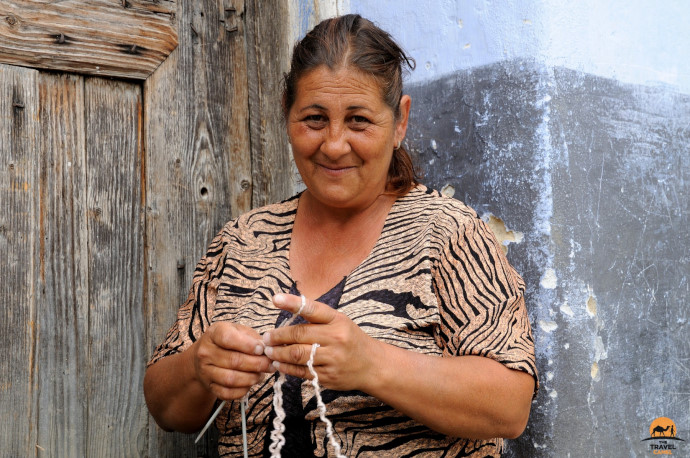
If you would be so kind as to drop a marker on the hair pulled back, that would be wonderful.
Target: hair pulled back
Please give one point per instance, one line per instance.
(351, 40)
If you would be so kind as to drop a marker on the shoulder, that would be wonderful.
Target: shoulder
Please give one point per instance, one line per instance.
(443, 212)
(269, 221)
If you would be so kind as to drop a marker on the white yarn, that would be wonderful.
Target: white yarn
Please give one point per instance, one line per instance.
(320, 404)
(277, 438)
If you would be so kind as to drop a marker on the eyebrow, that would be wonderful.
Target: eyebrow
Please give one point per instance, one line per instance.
(312, 106)
(321, 107)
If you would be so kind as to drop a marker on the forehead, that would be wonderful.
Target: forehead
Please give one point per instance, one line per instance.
(342, 82)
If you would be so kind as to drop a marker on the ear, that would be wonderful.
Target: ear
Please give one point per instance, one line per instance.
(401, 122)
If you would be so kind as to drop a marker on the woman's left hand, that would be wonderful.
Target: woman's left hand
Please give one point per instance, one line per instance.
(461, 396)
(346, 354)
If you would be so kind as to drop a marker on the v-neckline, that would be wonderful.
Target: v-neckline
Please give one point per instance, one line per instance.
(364, 261)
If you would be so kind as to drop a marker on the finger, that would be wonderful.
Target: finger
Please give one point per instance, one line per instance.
(295, 370)
(227, 378)
(236, 337)
(312, 311)
(292, 354)
(243, 362)
(297, 334)
(228, 394)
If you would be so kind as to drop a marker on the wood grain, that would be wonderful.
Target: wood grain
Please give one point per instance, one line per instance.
(268, 60)
(20, 232)
(199, 173)
(101, 227)
(116, 358)
(62, 312)
(121, 38)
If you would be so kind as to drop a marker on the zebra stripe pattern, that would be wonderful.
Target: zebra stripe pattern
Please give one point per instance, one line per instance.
(436, 282)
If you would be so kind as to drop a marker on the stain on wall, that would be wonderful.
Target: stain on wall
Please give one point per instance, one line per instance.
(594, 175)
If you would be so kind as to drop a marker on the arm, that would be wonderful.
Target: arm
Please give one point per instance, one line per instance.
(465, 396)
(224, 363)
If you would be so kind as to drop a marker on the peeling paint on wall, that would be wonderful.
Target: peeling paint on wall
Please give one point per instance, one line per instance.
(504, 235)
(549, 279)
(592, 306)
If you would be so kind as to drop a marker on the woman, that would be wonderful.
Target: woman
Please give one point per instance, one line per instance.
(424, 341)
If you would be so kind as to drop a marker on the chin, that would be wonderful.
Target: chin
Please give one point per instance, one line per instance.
(336, 198)
(336, 201)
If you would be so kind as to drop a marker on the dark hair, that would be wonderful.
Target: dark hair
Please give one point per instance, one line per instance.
(357, 42)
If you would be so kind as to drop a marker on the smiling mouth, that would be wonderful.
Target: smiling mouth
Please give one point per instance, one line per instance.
(335, 170)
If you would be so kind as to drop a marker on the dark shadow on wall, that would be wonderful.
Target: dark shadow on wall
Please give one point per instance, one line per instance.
(596, 175)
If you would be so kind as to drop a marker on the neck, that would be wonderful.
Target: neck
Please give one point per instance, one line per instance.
(327, 244)
(323, 215)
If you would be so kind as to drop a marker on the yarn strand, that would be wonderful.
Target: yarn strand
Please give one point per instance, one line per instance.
(277, 438)
(320, 404)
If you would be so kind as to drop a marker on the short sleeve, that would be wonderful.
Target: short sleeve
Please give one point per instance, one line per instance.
(481, 298)
(196, 313)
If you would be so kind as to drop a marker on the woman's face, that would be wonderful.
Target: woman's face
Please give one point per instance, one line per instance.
(342, 135)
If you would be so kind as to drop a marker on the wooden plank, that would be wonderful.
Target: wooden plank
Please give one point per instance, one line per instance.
(115, 364)
(268, 59)
(19, 239)
(197, 101)
(62, 313)
(121, 38)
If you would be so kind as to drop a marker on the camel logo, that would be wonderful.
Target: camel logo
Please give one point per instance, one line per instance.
(662, 436)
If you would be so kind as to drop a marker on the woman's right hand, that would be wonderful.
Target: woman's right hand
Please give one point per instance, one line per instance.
(229, 359)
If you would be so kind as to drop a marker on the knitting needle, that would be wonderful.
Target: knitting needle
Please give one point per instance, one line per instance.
(210, 420)
(243, 402)
(244, 424)
(222, 404)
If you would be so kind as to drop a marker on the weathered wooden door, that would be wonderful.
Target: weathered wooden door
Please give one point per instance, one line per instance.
(121, 155)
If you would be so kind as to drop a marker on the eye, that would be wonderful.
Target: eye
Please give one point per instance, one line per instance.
(359, 122)
(315, 121)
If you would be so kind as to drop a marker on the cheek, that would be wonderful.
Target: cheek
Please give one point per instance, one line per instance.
(376, 152)
(303, 141)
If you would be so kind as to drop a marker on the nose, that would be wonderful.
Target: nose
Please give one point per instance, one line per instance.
(335, 143)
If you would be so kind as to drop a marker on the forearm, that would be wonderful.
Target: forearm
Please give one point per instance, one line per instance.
(175, 397)
(467, 396)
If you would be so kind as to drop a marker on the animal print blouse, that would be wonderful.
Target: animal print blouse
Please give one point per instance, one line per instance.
(436, 282)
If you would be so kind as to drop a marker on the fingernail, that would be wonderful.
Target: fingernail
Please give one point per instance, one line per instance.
(276, 365)
(279, 299)
(268, 351)
(266, 338)
(259, 349)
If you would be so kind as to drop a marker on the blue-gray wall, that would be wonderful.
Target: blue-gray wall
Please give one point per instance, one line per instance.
(594, 174)
(570, 121)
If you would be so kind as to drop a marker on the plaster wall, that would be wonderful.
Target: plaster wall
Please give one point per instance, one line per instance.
(567, 125)
(632, 41)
